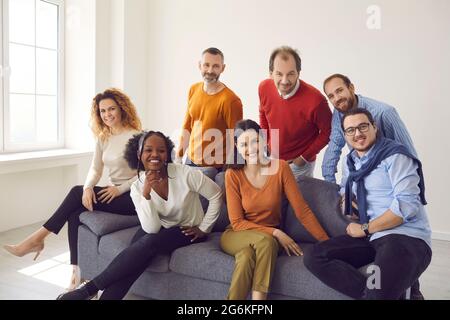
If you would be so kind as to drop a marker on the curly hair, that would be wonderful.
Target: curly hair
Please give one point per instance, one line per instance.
(130, 119)
(135, 147)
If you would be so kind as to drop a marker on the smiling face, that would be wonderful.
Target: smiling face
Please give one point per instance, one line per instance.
(250, 146)
(110, 113)
(154, 153)
(360, 141)
(342, 97)
(211, 67)
(284, 73)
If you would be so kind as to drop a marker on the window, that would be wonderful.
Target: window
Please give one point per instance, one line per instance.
(32, 60)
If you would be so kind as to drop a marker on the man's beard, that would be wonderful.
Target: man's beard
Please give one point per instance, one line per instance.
(211, 78)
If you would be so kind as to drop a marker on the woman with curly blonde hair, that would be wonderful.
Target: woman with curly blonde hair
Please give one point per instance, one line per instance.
(114, 121)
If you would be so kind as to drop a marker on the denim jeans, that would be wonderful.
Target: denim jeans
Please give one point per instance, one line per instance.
(306, 170)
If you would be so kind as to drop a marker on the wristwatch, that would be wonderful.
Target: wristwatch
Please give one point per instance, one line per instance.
(365, 228)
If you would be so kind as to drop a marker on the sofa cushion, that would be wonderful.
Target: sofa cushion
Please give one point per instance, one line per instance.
(323, 199)
(110, 245)
(207, 261)
(203, 260)
(292, 278)
(102, 223)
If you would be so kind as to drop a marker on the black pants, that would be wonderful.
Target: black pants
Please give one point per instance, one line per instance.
(71, 208)
(401, 260)
(126, 268)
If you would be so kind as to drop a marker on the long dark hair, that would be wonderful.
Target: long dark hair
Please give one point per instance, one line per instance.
(240, 127)
(135, 147)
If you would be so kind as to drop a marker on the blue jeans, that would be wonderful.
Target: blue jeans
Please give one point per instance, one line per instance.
(306, 170)
(210, 172)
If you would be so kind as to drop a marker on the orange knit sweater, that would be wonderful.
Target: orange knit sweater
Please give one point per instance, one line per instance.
(250, 208)
(219, 111)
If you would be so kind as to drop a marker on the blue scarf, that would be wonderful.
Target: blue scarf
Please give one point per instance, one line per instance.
(382, 149)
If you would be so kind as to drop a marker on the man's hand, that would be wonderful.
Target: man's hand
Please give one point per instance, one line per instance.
(195, 232)
(108, 194)
(354, 230)
(287, 243)
(299, 162)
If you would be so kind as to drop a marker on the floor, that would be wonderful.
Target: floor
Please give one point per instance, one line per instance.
(43, 279)
(46, 278)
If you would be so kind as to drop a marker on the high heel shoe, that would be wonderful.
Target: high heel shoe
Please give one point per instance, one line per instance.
(75, 280)
(14, 251)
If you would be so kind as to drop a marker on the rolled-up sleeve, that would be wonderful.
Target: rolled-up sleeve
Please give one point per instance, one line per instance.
(402, 171)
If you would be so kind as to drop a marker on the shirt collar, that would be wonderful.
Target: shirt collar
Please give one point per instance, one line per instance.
(290, 94)
(364, 158)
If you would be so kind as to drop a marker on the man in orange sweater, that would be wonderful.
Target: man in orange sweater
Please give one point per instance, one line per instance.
(212, 109)
(296, 109)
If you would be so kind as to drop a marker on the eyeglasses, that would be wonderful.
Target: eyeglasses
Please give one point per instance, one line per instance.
(363, 127)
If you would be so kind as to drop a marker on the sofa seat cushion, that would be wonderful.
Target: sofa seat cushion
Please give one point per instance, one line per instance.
(102, 223)
(110, 245)
(204, 260)
(292, 278)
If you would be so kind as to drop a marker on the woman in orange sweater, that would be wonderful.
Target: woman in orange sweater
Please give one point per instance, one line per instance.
(254, 188)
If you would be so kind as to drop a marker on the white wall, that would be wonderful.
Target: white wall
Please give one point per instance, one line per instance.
(121, 49)
(151, 49)
(404, 63)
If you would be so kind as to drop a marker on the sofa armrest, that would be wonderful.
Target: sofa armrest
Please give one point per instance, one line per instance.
(102, 223)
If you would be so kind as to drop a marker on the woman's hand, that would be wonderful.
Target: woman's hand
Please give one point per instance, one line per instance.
(193, 231)
(287, 243)
(88, 199)
(152, 178)
(108, 194)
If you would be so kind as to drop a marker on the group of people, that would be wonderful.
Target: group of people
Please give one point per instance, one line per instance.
(382, 187)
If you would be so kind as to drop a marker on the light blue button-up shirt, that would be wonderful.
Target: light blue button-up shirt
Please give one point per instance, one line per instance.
(387, 121)
(393, 185)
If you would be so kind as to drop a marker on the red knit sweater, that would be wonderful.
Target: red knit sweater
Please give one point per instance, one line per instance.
(303, 120)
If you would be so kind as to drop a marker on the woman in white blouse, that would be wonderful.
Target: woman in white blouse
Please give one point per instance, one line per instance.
(167, 201)
(114, 121)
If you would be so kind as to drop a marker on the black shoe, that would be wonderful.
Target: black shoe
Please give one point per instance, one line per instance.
(415, 291)
(81, 293)
(417, 295)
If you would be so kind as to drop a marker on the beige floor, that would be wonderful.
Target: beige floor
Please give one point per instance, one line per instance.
(44, 279)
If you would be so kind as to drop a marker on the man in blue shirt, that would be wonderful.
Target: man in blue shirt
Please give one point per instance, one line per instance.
(341, 93)
(391, 231)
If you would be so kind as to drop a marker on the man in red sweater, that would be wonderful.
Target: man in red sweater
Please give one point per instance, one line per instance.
(296, 109)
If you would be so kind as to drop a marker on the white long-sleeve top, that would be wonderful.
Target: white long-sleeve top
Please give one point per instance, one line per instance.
(183, 206)
(109, 154)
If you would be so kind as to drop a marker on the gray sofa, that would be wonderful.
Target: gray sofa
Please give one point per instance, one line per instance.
(203, 271)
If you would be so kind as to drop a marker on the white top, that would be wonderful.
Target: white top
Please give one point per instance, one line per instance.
(183, 206)
(110, 154)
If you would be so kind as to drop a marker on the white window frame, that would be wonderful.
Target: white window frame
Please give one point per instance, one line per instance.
(5, 145)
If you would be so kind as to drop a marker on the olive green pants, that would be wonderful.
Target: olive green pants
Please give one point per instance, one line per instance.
(255, 253)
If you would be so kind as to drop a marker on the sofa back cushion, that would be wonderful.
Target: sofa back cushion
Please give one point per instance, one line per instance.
(321, 196)
(323, 199)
